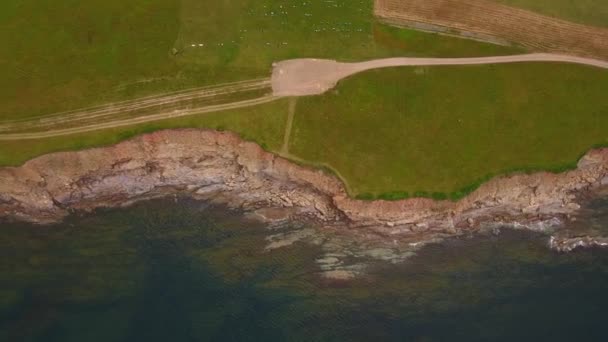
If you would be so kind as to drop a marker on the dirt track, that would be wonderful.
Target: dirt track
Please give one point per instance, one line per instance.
(495, 22)
(137, 120)
(198, 98)
(301, 77)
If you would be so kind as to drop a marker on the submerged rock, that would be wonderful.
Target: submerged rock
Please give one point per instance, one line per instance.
(568, 244)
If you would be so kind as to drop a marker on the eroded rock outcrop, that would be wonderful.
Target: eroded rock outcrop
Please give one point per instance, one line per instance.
(222, 167)
(204, 164)
(568, 244)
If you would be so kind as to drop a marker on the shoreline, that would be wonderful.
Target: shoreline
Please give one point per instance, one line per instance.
(223, 168)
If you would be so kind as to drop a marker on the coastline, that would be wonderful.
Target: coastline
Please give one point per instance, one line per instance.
(223, 168)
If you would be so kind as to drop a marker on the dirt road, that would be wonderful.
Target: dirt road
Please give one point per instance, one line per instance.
(193, 99)
(302, 77)
(137, 120)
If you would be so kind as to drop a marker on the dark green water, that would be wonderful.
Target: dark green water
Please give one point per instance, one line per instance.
(182, 271)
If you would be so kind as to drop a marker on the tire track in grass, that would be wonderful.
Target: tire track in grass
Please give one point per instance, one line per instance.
(288, 126)
(108, 111)
(139, 120)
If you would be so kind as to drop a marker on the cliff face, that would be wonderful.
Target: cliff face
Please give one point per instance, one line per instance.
(203, 163)
(222, 167)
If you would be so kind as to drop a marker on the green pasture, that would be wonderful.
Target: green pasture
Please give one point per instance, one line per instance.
(441, 131)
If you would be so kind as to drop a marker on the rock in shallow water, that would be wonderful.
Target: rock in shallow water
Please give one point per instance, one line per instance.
(566, 244)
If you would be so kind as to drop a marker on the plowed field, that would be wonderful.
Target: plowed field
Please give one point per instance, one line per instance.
(481, 18)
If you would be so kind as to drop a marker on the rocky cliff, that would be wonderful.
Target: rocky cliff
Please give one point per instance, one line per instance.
(221, 167)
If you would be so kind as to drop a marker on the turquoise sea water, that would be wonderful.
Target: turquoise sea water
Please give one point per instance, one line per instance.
(185, 271)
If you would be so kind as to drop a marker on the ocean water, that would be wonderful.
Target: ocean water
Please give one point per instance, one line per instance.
(182, 270)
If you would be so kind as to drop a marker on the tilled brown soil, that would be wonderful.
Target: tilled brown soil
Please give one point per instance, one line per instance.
(479, 18)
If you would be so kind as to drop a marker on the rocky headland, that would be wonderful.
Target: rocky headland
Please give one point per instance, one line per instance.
(221, 167)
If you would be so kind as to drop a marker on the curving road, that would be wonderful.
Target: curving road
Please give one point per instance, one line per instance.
(302, 77)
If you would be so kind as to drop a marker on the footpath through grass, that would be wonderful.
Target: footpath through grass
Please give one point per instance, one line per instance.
(441, 131)
(68, 54)
(590, 12)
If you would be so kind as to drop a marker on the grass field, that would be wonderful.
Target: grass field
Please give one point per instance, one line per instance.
(590, 12)
(442, 130)
(67, 54)
(264, 124)
(58, 55)
(424, 131)
(390, 133)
